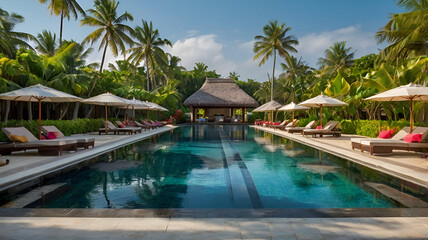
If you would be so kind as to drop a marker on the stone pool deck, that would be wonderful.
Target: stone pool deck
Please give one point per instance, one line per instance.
(408, 166)
(28, 165)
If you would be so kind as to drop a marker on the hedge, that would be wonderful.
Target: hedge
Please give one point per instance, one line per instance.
(68, 127)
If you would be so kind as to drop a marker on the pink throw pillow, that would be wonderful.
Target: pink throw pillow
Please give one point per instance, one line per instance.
(413, 138)
(121, 126)
(51, 135)
(319, 127)
(385, 134)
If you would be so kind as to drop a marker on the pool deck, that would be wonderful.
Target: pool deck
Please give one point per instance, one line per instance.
(408, 166)
(404, 223)
(24, 166)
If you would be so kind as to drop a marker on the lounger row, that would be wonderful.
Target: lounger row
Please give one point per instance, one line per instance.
(129, 127)
(329, 129)
(53, 147)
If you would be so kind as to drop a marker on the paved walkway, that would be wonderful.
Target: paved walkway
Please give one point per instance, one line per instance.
(408, 166)
(213, 228)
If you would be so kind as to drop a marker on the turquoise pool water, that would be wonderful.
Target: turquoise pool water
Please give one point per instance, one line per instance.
(208, 166)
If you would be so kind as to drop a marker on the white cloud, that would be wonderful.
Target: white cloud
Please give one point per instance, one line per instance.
(312, 46)
(204, 49)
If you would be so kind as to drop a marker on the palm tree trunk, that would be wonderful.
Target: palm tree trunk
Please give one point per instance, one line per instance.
(6, 112)
(273, 75)
(147, 73)
(76, 111)
(60, 28)
(101, 69)
(30, 112)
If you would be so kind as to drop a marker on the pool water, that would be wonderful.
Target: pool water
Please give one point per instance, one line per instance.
(210, 166)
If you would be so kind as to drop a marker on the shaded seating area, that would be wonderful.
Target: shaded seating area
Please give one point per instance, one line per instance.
(220, 100)
(82, 142)
(23, 140)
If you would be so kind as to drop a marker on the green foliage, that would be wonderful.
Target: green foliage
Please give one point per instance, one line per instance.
(67, 127)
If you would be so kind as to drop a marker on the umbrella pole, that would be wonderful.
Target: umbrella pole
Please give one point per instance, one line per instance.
(411, 115)
(106, 120)
(40, 118)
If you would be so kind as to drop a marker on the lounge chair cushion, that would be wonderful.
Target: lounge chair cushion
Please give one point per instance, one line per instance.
(18, 139)
(55, 130)
(20, 131)
(385, 134)
(413, 137)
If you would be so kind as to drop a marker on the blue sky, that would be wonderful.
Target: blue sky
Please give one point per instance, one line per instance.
(220, 33)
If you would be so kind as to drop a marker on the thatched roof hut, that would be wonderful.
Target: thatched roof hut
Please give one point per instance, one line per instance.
(220, 92)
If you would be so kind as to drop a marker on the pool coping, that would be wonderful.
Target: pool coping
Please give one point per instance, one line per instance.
(25, 176)
(215, 213)
(347, 155)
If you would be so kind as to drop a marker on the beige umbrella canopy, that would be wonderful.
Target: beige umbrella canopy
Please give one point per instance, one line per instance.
(292, 107)
(107, 99)
(268, 107)
(137, 105)
(410, 92)
(39, 93)
(322, 101)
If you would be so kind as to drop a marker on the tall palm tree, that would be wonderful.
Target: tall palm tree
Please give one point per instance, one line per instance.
(234, 75)
(112, 32)
(65, 8)
(337, 57)
(46, 43)
(149, 49)
(407, 32)
(10, 40)
(275, 40)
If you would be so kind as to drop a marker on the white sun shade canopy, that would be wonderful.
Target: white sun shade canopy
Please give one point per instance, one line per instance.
(156, 107)
(322, 101)
(269, 106)
(36, 92)
(293, 107)
(403, 93)
(107, 99)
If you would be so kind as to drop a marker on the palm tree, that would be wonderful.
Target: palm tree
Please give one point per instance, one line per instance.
(149, 49)
(407, 32)
(46, 43)
(275, 40)
(65, 8)
(200, 67)
(112, 32)
(337, 57)
(234, 75)
(9, 39)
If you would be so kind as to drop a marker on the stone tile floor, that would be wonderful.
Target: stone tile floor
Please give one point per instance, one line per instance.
(213, 228)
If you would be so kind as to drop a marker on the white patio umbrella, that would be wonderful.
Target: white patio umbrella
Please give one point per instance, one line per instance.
(268, 107)
(137, 105)
(410, 92)
(107, 99)
(322, 101)
(292, 107)
(39, 93)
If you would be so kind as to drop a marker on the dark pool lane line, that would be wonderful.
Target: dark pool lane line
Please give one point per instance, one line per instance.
(233, 157)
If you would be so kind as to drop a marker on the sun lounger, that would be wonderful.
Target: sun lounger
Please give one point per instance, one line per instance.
(153, 126)
(310, 125)
(142, 126)
(82, 141)
(329, 129)
(289, 124)
(116, 130)
(278, 125)
(45, 147)
(388, 145)
(356, 142)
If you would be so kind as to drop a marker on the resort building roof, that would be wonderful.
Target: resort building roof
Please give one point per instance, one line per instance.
(220, 92)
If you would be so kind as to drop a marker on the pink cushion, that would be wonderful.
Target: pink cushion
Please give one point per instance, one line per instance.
(413, 137)
(51, 135)
(121, 126)
(319, 127)
(385, 134)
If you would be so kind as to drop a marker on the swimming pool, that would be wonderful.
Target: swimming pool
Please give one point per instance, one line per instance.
(210, 166)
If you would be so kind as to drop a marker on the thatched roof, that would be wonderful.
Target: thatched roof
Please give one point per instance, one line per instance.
(220, 92)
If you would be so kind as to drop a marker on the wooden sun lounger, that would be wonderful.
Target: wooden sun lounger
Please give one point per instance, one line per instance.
(329, 129)
(356, 142)
(310, 125)
(44, 147)
(82, 141)
(290, 124)
(149, 124)
(388, 145)
(282, 124)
